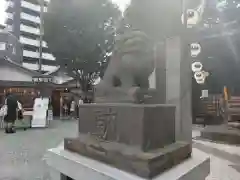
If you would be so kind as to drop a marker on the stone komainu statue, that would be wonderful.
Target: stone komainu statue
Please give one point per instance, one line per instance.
(134, 52)
(126, 78)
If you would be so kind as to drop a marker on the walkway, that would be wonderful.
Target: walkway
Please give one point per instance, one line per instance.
(21, 153)
(225, 159)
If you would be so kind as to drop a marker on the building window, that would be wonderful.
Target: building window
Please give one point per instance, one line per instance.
(9, 46)
(9, 28)
(2, 46)
(14, 50)
(10, 4)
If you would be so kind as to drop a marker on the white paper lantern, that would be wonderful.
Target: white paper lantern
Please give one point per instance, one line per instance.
(193, 17)
(195, 49)
(197, 67)
(199, 75)
(200, 81)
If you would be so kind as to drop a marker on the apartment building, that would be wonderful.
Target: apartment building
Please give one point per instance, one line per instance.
(24, 22)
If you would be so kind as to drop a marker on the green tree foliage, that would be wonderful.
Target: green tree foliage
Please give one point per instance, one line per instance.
(80, 34)
(219, 37)
(155, 18)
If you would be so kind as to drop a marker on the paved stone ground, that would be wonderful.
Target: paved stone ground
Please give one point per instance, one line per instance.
(21, 153)
(225, 159)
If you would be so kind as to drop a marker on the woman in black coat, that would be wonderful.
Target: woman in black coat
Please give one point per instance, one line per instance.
(11, 116)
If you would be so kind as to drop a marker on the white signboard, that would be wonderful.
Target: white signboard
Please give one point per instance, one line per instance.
(204, 94)
(152, 80)
(40, 112)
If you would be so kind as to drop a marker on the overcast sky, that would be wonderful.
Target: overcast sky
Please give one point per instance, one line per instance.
(122, 4)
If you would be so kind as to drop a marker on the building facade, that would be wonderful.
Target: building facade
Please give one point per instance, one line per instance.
(10, 48)
(24, 22)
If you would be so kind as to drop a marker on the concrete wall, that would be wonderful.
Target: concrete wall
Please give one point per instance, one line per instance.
(13, 49)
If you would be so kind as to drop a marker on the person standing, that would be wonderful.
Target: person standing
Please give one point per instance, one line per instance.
(65, 110)
(11, 116)
(80, 102)
(72, 108)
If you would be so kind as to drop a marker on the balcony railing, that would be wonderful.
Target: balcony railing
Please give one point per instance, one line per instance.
(33, 7)
(35, 19)
(48, 56)
(10, 15)
(32, 42)
(33, 54)
(9, 28)
(9, 4)
(35, 67)
(29, 29)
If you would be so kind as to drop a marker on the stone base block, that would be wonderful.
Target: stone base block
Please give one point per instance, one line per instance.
(76, 167)
(148, 126)
(222, 133)
(131, 159)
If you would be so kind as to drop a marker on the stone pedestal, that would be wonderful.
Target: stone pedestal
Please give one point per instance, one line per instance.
(143, 126)
(129, 159)
(222, 133)
(139, 139)
(71, 166)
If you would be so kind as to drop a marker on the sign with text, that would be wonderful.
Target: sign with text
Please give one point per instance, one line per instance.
(40, 112)
(105, 122)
